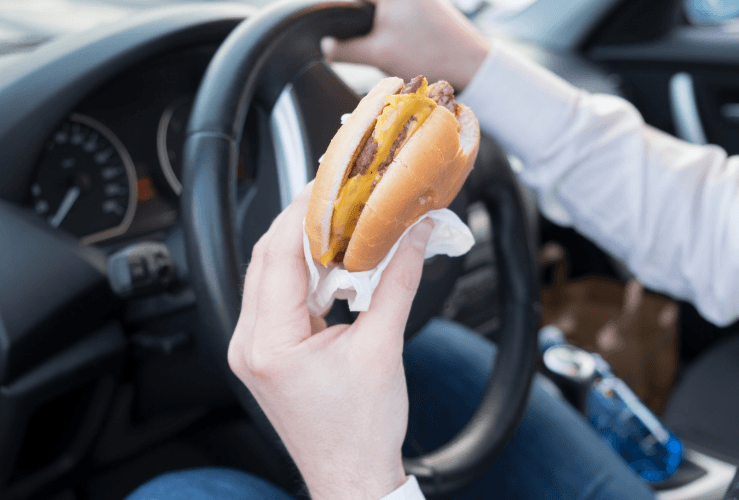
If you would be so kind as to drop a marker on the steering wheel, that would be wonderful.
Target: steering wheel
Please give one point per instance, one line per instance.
(258, 59)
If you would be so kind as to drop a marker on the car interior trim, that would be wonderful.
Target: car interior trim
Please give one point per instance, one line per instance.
(730, 111)
(688, 124)
(292, 155)
(711, 486)
(553, 24)
(684, 44)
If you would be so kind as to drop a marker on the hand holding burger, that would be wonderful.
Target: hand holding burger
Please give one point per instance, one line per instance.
(337, 396)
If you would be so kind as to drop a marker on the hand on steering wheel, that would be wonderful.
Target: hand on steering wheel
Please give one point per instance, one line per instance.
(336, 396)
(453, 47)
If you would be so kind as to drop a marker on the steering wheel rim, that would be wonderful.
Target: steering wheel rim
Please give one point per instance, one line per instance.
(253, 65)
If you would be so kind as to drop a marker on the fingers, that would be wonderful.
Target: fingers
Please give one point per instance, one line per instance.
(256, 266)
(247, 317)
(253, 271)
(393, 297)
(283, 286)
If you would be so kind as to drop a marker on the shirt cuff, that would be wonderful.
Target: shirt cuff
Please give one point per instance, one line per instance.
(409, 491)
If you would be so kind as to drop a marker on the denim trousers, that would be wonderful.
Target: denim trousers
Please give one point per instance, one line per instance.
(554, 455)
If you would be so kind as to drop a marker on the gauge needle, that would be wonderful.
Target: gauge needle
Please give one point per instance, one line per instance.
(66, 204)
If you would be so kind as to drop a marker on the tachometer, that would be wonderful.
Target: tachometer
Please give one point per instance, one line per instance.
(171, 140)
(86, 181)
(171, 135)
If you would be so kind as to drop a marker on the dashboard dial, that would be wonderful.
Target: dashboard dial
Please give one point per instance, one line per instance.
(86, 181)
(171, 141)
(171, 136)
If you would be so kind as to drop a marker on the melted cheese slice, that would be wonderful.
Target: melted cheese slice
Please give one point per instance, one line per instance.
(355, 192)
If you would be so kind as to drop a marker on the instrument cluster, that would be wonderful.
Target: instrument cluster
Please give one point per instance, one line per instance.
(112, 169)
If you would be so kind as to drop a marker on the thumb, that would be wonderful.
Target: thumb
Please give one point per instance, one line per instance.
(391, 302)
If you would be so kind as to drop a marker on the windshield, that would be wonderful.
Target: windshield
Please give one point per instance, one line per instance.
(26, 23)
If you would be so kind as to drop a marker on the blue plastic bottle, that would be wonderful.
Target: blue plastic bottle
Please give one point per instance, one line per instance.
(623, 421)
(631, 428)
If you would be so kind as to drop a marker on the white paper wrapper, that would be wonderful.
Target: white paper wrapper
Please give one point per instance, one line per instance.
(450, 237)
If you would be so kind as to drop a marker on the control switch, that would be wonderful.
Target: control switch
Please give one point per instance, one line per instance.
(141, 269)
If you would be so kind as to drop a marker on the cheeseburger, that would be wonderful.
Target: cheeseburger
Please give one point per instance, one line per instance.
(405, 150)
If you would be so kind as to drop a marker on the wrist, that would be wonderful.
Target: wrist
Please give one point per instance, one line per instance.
(467, 46)
(339, 485)
(470, 63)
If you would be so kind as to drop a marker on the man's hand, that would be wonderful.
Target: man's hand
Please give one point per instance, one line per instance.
(417, 37)
(336, 396)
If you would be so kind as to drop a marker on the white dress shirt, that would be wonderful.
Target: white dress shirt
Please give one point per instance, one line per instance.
(666, 208)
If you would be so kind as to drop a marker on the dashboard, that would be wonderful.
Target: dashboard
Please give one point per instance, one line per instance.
(112, 169)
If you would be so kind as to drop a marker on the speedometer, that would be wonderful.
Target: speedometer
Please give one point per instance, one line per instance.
(86, 181)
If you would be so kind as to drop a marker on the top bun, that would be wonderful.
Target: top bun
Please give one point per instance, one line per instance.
(426, 174)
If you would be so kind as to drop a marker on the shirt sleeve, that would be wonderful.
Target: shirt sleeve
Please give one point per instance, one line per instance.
(667, 208)
(409, 491)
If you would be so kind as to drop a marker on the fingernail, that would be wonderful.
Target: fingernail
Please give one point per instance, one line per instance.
(421, 233)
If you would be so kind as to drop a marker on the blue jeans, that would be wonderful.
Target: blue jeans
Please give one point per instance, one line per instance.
(554, 454)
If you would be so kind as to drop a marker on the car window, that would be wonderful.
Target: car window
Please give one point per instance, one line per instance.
(712, 12)
(26, 24)
(494, 8)
(58, 16)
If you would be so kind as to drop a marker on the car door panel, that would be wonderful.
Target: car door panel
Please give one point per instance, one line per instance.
(653, 72)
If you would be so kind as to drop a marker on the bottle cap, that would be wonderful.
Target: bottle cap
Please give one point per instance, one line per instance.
(571, 362)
